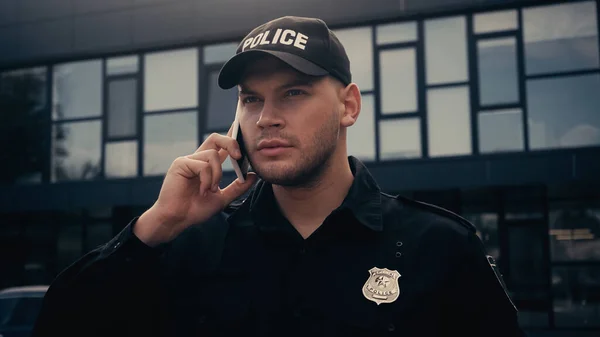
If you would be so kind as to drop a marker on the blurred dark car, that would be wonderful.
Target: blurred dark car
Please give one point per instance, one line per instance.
(19, 308)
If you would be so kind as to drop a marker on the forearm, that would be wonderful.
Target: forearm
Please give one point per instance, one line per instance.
(104, 289)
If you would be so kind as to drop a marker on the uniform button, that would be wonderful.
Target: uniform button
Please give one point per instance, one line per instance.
(398, 254)
(302, 250)
(399, 244)
(391, 327)
(297, 313)
(201, 319)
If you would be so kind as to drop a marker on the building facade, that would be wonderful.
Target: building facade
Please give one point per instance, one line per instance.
(488, 108)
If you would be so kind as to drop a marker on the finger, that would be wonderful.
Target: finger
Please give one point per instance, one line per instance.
(205, 178)
(237, 188)
(217, 171)
(212, 157)
(187, 167)
(223, 154)
(217, 142)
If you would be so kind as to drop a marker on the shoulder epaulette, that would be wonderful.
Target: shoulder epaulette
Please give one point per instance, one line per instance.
(440, 211)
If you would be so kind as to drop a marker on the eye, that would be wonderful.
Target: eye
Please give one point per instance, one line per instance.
(250, 99)
(294, 92)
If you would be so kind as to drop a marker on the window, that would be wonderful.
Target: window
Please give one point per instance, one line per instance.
(498, 80)
(561, 37)
(398, 80)
(446, 50)
(76, 150)
(563, 111)
(361, 135)
(221, 104)
(575, 232)
(219, 53)
(122, 65)
(576, 296)
(122, 108)
(69, 244)
(77, 90)
(495, 21)
(500, 130)
(400, 138)
(168, 136)
(449, 121)
(171, 80)
(396, 32)
(23, 125)
(120, 159)
(358, 43)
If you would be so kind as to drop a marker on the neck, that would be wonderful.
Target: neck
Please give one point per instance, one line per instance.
(306, 207)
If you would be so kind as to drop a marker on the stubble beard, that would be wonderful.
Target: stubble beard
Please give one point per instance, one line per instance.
(309, 168)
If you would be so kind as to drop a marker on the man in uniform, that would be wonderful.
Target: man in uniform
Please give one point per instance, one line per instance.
(315, 249)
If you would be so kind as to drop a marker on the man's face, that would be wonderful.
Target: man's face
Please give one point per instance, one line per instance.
(290, 122)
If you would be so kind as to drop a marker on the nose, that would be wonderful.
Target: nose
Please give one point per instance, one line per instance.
(269, 117)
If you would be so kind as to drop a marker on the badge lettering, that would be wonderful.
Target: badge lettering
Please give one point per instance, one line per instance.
(382, 285)
(286, 37)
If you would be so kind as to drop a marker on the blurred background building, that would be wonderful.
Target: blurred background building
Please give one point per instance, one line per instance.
(488, 108)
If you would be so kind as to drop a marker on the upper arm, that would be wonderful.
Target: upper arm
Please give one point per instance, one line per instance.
(483, 296)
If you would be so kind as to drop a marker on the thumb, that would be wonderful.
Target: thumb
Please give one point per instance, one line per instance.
(237, 188)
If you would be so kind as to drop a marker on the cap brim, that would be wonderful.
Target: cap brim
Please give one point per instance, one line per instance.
(232, 71)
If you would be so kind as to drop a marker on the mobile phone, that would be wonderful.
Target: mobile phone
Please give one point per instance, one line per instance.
(242, 165)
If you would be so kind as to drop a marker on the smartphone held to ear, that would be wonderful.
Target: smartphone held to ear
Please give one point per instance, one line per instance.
(242, 165)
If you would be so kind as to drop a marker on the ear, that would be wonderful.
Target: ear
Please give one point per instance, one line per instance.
(352, 104)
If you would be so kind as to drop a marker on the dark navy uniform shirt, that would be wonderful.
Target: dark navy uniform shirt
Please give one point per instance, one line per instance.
(379, 265)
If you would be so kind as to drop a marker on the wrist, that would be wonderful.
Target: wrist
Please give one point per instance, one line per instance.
(152, 229)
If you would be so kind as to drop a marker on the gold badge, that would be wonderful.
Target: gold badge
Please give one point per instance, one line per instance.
(382, 285)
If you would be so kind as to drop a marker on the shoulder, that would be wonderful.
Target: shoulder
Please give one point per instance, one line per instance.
(423, 219)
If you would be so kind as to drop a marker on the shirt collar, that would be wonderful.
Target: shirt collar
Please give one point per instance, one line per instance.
(363, 200)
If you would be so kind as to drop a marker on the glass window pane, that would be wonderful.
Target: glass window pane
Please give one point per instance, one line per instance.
(22, 125)
(575, 233)
(221, 104)
(69, 244)
(122, 108)
(40, 241)
(560, 37)
(396, 32)
(400, 138)
(97, 234)
(358, 43)
(495, 21)
(171, 80)
(121, 159)
(449, 121)
(227, 163)
(398, 80)
(122, 65)
(76, 150)
(77, 90)
(498, 81)
(563, 112)
(446, 50)
(361, 135)
(576, 296)
(166, 137)
(501, 130)
(219, 53)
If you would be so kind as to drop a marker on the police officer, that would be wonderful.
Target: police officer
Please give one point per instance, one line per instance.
(314, 249)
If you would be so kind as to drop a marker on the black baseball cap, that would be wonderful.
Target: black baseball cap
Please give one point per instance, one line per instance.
(305, 44)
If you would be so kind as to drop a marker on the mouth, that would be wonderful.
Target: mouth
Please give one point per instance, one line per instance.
(271, 148)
